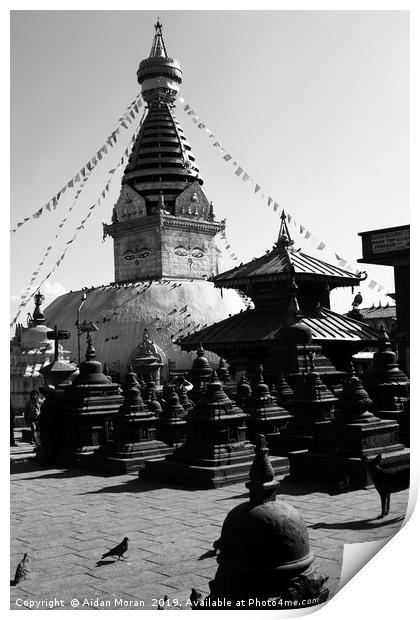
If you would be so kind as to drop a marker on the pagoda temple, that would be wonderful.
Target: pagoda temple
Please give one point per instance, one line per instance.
(163, 229)
(291, 293)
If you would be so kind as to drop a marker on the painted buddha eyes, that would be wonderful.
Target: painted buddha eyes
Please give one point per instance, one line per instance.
(132, 254)
(195, 252)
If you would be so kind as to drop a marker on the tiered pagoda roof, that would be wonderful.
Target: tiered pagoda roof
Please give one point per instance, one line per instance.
(283, 261)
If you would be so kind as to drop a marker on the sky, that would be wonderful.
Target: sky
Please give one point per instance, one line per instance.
(314, 105)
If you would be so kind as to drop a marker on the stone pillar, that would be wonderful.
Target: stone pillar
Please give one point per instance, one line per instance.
(264, 552)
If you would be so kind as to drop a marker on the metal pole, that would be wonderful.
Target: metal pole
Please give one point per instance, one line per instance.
(78, 327)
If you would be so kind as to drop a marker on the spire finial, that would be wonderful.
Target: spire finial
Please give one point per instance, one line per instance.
(262, 485)
(284, 239)
(37, 315)
(158, 45)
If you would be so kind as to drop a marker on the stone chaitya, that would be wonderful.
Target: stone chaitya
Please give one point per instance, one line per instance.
(31, 350)
(388, 387)
(338, 444)
(264, 553)
(265, 416)
(199, 375)
(134, 434)
(85, 412)
(311, 403)
(172, 425)
(216, 451)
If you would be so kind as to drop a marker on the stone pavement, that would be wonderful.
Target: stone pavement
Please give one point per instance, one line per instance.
(66, 519)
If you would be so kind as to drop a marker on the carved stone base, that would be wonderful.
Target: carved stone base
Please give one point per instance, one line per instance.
(207, 473)
(265, 590)
(172, 432)
(120, 459)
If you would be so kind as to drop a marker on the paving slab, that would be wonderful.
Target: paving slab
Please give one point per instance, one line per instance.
(66, 519)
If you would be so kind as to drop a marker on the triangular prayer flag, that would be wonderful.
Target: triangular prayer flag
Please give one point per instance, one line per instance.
(70, 184)
(257, 188)
(342, 262)
(301, 229)
(217, 144)
(276, 206)
(307, 234)
(187, 107)
(37, 214)
(94, 160)
(201, 125)
(227, 157)
(321, 246)
(124, 125)
(89, 166)
(289, 218)
(26, 219)
(372, 284)
(48, 206)
(239, 171)
(245, 177)
(269, 201)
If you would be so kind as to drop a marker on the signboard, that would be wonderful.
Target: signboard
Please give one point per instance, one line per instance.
(390, 241)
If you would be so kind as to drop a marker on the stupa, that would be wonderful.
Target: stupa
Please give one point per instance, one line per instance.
(265, 416)
(338, 444)
(31, 350)
(216, 451)
(264, 557)
(85, 412)
(134, 429)
(388, 387)
(163, 229)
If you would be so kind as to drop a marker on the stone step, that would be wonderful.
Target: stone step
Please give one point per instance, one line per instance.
(22, 453)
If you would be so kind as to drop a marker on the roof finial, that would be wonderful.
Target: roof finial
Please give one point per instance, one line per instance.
(284, 238)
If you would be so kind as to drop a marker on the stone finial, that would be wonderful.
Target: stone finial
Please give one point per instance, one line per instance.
(284, 391)
(262, 485)
(90, 350)
(223, 370)
(37, 316)
(243, 391)
(173, 408)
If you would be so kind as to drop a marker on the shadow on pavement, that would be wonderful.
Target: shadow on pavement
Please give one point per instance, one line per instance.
(363, 524)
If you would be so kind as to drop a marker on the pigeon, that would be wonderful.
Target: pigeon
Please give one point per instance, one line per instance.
(195, 598)
(119, 550)
(160, 606)
(21, 570)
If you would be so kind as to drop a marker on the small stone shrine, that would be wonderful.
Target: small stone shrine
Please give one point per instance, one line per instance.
(216, 451)
(311, 403)
(243, 391)
(149, 359)
(264, 556)
(388, 387)
(57, 373)
(172, 425)
(338, 444)
(265, 416)
(85, 412)
(134, 434)
(284, 391)
(30, 351)
(199, 375)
